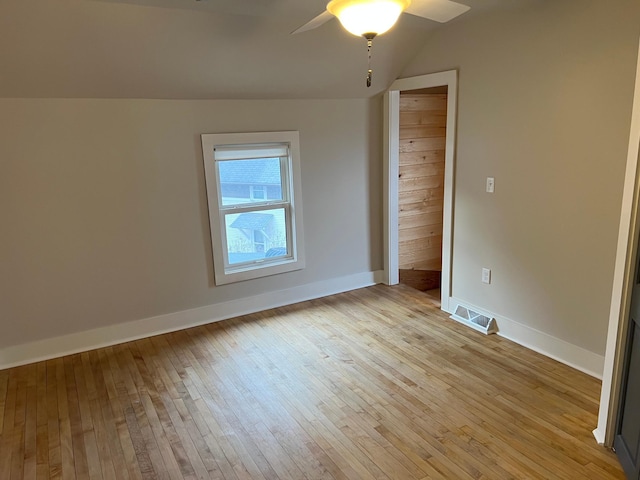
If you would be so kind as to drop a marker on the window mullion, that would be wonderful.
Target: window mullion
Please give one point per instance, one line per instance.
(253, 207)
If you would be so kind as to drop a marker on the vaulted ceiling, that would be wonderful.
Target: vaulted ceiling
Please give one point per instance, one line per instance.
(188, 49)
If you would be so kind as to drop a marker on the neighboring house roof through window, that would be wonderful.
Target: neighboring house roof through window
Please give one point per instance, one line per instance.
(258, 172)
(252, 221)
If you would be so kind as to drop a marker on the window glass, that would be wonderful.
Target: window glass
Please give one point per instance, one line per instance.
(251, 235)
(243, 181)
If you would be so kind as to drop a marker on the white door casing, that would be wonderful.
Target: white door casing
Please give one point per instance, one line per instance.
(391, 170)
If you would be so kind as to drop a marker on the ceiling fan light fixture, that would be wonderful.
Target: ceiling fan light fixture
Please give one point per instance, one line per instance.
(372, 17)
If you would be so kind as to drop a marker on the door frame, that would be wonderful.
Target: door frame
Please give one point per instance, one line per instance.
(391, 159)
(624, 270)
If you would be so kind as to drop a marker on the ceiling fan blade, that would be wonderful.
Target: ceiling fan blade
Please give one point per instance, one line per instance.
(438, 10)
(315, 23)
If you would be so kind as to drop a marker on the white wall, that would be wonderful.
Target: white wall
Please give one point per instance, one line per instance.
(545, 96)
(104, 215)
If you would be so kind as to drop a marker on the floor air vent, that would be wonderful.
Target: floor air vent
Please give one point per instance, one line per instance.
(475, 320)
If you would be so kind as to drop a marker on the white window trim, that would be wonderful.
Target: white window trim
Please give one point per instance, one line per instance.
(224, 273)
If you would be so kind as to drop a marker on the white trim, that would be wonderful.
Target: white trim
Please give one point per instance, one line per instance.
(622, 280)
(545, 344)
(452, 302)
(600, 436)
(148, 327)
(390, 174)
(391, 161)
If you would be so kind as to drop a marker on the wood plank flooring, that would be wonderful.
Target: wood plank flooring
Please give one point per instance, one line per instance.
(370, 384)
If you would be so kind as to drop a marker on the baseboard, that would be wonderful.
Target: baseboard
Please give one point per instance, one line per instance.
(124, 332)
(599, 436)
(564, 352)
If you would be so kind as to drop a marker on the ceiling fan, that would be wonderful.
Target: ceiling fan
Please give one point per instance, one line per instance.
(369, 18)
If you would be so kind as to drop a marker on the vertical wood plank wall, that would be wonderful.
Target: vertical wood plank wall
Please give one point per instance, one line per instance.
(421, 184)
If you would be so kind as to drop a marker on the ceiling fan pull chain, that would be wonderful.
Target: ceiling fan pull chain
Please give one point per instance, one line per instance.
(369, 71)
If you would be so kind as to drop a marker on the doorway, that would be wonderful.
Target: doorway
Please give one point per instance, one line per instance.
(423, 122)
(447, 82)
(627, 438)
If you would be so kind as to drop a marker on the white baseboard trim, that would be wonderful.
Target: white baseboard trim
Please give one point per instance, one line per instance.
(124, 332)
(552, 347)
(599, 435)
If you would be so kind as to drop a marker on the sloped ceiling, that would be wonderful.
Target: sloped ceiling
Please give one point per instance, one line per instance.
(187, 49)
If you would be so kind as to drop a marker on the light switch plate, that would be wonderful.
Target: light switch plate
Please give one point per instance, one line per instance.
(491, 184)
(486, 275)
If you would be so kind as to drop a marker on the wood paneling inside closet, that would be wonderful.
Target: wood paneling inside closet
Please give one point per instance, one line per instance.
(423, 118)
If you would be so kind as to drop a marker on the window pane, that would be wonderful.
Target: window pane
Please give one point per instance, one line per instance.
(245, 181)
(258, 192)
(253, 236)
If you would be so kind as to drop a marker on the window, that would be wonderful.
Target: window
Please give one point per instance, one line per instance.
(258, 192)
(255, 211)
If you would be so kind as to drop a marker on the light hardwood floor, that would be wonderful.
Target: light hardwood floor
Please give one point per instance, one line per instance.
(371, 384)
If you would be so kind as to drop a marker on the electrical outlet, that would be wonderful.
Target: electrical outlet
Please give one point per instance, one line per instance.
(486, 275)
(491, 184)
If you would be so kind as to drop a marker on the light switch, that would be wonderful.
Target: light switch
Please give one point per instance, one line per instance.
(486, 275)
(491, 183)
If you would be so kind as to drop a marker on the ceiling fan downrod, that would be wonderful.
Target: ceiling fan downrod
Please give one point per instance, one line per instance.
(369, 37)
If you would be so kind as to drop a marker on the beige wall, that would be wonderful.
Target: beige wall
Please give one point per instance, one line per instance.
(544, 107)
(103, 205)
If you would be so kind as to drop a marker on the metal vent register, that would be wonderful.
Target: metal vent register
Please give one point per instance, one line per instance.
(475, 320)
